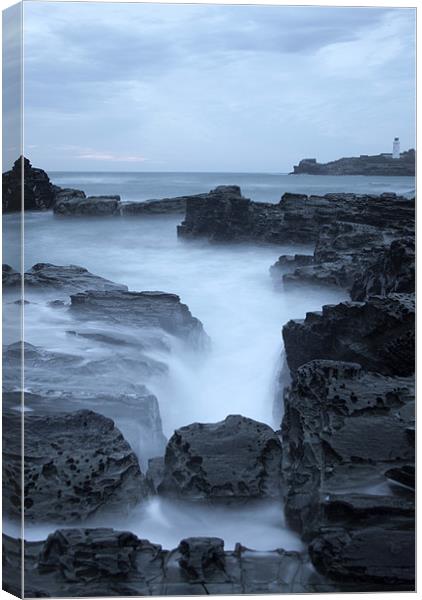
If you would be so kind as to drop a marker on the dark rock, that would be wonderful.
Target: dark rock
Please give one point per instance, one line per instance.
(234, 458)
(39, 193)
(378, 334)
(95, 206)
(393, 270)
(156, 207)
(225, 215)
(69, 278)
(140, 309)
(404, 476)
(11, 278)
(76, 465)
(105, 562)
(373, 556)
(379, 164)
(64, 195)
(342, 429)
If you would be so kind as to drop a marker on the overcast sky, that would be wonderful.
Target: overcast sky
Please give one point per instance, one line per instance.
(214, 88)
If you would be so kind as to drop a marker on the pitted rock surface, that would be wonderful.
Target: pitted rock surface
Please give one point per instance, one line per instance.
(75, 465)
(234, 458)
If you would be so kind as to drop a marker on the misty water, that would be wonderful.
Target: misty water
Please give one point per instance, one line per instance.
(228, 287)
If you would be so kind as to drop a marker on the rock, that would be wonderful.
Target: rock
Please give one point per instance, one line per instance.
(11, 278)
(392, 270)
(343, 428)
(39, 193)
(225, 215)
(234, 458)
(378, 334)
(111, 386)
(156, 207)
(94, 206)
(65, 195)
(404, 476)
(380, 165)
(378, 558)
(105, 562)
(70, 278)
(76, 465)
(140, 310)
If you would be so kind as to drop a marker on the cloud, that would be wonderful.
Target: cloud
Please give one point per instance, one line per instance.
(208, 87)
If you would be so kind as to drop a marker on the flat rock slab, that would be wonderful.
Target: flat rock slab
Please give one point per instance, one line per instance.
(92, 206)
(140, 310)
(379, 334)
(235, 458)
(75, 465)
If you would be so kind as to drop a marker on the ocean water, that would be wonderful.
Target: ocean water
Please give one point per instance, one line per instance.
(262, 187)
(228, 287)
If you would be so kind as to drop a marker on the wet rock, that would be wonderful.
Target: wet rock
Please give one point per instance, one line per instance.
(39, 193)
(234, 458)
(379, 558)
(93, 206)
(343, 428)
(404, 476)
(76, 465)
(68, 278)
(378, 334)
(156, 207)
(393, 270)
(105, 562)
(68, 195)
(140, 310)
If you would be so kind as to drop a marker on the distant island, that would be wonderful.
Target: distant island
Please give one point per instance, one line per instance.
(380, 164)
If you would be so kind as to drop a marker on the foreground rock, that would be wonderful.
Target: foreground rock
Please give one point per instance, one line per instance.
(380, 164)
(140, 309)
(379, 334)
(235, 458)
(45, 277)
(104, 562)
(225, 215)
(76, 465)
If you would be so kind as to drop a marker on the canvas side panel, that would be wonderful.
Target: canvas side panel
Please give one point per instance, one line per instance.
(12, 227)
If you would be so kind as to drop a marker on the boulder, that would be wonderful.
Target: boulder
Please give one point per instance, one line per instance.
(38, 191)
(379, 334)
(155, 207)
(11, 278)
(93, 206)
(234, 458)
(76, 465)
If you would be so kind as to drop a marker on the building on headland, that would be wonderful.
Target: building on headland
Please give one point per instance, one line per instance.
(395, 163)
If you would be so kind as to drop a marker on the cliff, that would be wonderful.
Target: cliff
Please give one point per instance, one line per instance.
(380, 164)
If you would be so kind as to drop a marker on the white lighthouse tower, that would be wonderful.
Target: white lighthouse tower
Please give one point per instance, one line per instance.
(396, 148)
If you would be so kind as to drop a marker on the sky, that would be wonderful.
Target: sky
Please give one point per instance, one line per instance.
(138, 87)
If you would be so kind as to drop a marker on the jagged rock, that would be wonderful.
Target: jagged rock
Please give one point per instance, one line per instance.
(95, 206)
(393, 270)
(376, 557)
(379, 164)
(105, 562)
(39, 193)
(378, 334)
(65, 195)
(343, 428)
(76, 465)
(234, 458)
(140, 309)
(156, 207)
(225, 215)
(10, 278)
(404, 476)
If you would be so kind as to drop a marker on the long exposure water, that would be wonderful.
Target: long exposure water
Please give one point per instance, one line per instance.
(228, 287)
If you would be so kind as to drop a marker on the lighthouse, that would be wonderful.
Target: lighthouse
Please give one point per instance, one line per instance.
(396, 148)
